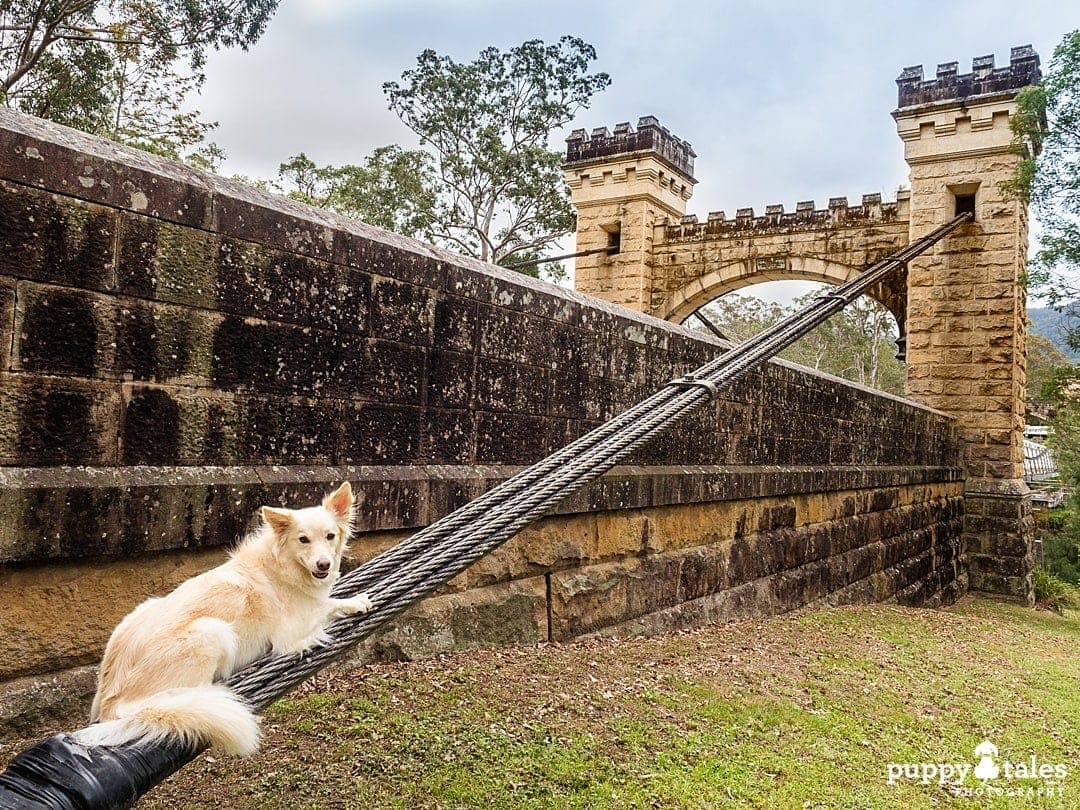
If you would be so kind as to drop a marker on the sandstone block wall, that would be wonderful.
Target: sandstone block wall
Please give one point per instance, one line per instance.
(177, 349)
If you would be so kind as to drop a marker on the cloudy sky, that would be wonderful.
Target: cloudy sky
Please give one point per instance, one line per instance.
(782, 101)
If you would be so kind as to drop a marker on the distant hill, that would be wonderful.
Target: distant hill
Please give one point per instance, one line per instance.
(1051, 325)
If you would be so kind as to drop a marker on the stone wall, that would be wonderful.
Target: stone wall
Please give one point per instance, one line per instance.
(178, 349)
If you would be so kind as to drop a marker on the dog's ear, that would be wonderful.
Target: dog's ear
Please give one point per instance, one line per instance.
(277, 519)
(340, 502)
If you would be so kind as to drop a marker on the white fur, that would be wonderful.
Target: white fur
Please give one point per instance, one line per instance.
(156, 679)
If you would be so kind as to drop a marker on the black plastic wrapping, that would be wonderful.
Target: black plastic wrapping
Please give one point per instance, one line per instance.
(60, 774)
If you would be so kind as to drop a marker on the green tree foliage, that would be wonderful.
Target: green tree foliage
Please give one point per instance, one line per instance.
(1061, 544)
(499, 192)
(1047, 133)
(1047, 369)
(120, 68)
(857, 343)
(389, 189)
(1064, 440)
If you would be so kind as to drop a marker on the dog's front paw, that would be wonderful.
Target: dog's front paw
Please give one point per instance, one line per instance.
(320, 638)
(361, 603)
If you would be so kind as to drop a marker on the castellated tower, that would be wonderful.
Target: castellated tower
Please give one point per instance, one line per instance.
(625, 186)
(966, 309)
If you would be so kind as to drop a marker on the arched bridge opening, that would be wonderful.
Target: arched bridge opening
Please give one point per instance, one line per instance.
(742, 274)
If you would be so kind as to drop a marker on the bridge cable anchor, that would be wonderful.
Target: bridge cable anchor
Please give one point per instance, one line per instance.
(690, 381)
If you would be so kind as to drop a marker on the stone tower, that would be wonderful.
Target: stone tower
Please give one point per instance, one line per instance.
(625, 185)
(966, 309)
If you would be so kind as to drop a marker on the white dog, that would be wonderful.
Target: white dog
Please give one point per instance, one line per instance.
(157, 676)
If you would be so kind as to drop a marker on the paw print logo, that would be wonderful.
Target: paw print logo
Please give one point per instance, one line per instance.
(987, 769)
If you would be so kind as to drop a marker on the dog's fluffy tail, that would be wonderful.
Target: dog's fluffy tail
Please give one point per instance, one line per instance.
(197, 715)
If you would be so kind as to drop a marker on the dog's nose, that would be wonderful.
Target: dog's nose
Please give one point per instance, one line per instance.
(323, 564)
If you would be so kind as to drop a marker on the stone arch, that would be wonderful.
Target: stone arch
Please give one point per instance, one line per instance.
(743, 273)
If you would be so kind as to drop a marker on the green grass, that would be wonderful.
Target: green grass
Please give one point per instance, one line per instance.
(795, 712)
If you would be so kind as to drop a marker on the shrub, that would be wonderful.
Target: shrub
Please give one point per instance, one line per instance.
(1054, 592)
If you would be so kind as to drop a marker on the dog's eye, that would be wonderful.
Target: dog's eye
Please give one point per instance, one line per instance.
(304, 539)
(330, 536)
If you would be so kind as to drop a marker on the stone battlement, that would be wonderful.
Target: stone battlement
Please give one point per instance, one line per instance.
(805, 217)
(582, 147)
(984, 79)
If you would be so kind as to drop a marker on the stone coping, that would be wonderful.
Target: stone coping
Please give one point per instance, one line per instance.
(82, 512)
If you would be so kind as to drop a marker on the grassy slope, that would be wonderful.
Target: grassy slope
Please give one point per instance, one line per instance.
(797, 711)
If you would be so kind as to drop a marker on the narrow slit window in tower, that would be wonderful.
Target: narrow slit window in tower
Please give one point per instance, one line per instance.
(614, 238)
(965, 204)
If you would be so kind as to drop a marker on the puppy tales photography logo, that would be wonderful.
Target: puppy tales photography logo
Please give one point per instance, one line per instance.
(988, 773)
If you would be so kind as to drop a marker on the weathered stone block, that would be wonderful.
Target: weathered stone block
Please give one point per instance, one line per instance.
(380, 434)
(275, 285)
(62, 331)
(400, 312)
(655, 585)
(39, 153)
(495, 616)
(623, 533)
(446, 436)
(554, 543)
(36, 705)
(513, 387)
(91, 597)
(165, 343)
(55, 239)
(275, 357)
(381, 253)
(507, 335)
(587, 599)
(803, 585)
(510, 438)
(393, 372)
(165, 262)
(456, 322)
(249, 214)
(56, 420)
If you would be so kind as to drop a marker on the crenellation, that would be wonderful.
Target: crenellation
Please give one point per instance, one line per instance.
(649, 137)
(983, 80)
(947, 71)
(776, 220)
(982, 66)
